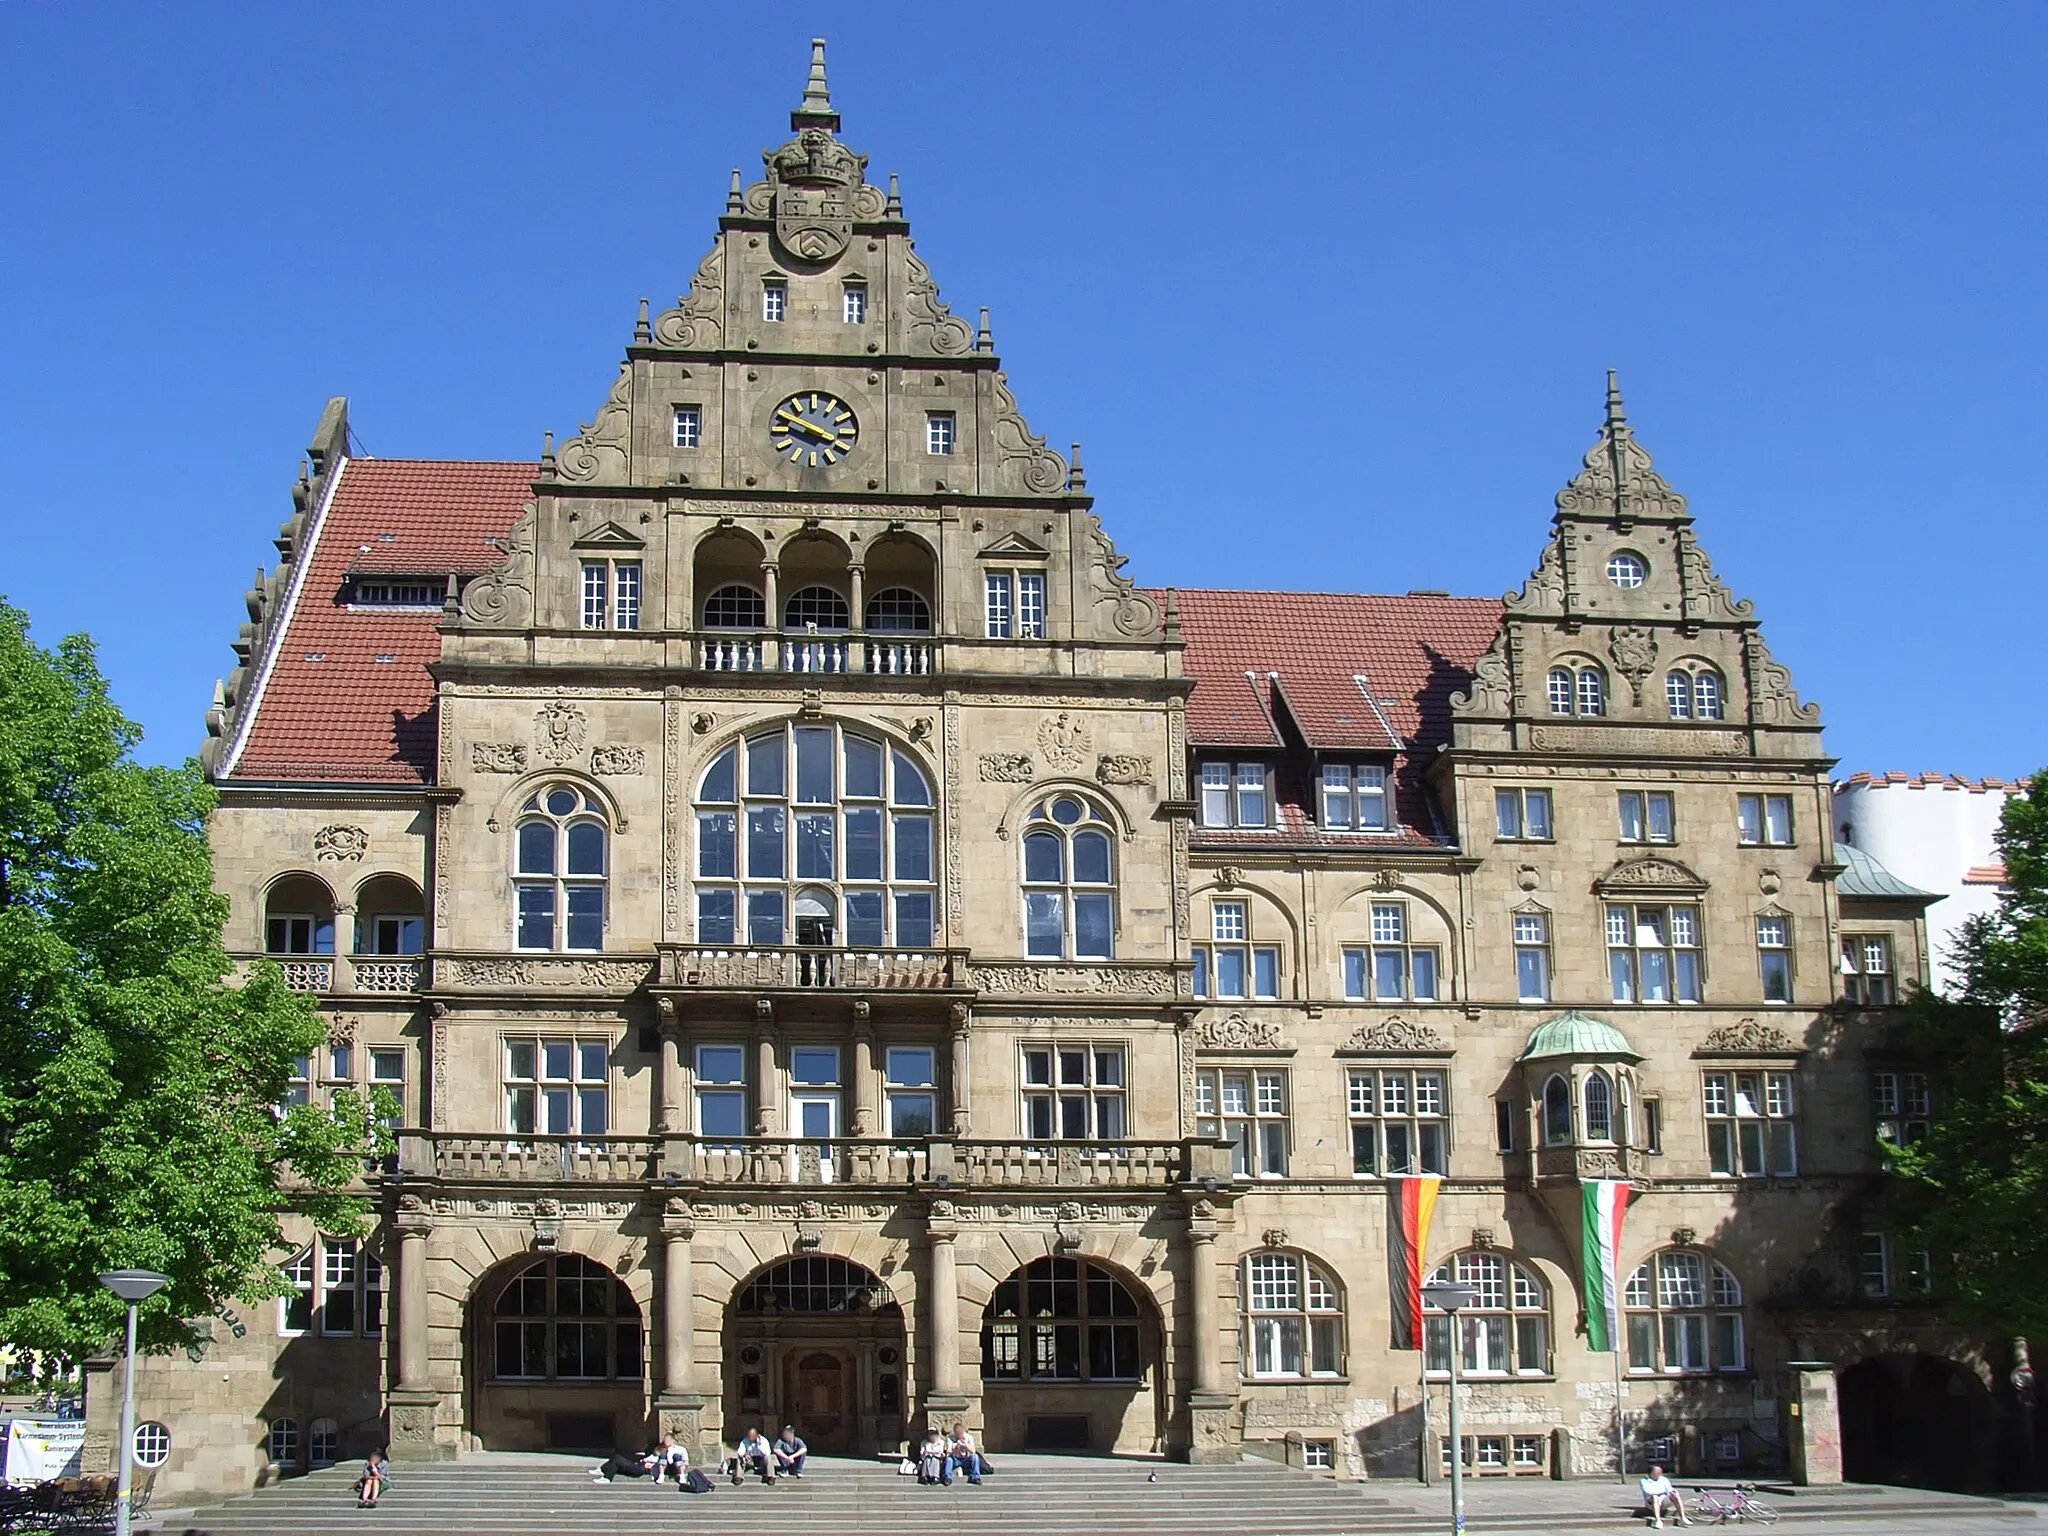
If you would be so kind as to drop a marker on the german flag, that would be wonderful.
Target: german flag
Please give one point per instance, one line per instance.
(1410, 1203)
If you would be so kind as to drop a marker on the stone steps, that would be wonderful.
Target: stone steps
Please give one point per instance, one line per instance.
(1052, 1495)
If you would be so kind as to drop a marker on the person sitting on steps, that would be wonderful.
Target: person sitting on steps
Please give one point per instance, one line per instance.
(752, 1454)
(962, 1456)
(790, 1452)
(931, 1459)
(1657, 1493)
(376, 1474)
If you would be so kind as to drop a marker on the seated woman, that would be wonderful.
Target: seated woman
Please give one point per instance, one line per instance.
(931, 1459)
(962, 1456)
(376, 1476)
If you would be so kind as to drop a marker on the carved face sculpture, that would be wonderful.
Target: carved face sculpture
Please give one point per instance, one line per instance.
(811, 428)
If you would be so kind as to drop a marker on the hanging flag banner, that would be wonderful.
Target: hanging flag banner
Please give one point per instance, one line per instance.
(1605, 1203)
(40, 1449)
(1410, 1203)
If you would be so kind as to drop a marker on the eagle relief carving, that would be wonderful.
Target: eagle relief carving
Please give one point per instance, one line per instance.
(1064, 741)
(559, 730)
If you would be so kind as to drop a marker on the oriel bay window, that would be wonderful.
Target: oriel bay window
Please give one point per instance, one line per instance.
(1397, 1122)
(1504, 1331)
(1867, 970)
(1653, 953)
(819, 836)
(1232, 966)
(1293, 1318)
(566, 1318)
(1248, 1108)
(1752, 1124)
(1062, 1320)
(1069, 881)
(557, 1086)
(1392, 969)
(1074, 1092)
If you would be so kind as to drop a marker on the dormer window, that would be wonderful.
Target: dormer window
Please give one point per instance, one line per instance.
(1354, 797)
(394, 592)
(1234, 795)
(774, 300)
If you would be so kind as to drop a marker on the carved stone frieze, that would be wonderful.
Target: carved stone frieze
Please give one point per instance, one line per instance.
(1064, 741)
(696, 321)
(534, 971)
(1394, 1036)
(1235, 1032)
(339, 844)
(618, 761)
(559, 731)
(600, 449)
(1113, 980)
(1748, 1037)
(1123, 768)
(1007, 768)
(1650, 873)
(1648, 740)
(498, 756)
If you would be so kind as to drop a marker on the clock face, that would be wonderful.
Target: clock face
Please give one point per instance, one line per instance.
(811, 428)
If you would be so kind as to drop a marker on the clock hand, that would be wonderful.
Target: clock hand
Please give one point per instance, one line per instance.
(809, 426)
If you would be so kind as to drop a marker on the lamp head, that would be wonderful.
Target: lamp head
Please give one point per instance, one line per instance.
(1449, 1295)
(133, 1285)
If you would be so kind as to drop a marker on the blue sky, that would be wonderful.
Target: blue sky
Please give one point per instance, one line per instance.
(1326, 293)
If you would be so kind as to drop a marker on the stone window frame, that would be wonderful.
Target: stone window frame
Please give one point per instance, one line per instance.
(1056, 1092)
(308, 1276)
(774, 299)
(611, 594)
(1771, 1109)
(1248, 944)
(1694, 690)
(1576, 688)
(1674, 951)
(853, 301)
(1043, 823)
(1860, 979)
(941, 434)
(1360, 962)
(1759, 821)
(686, 426)
(536, 808)
(1776, 956)
(1521, 797)
(1091, 1282)
(1531, 932)
(1261, 1129)
(1647, 805)
(1265, 1312)
(542, 1081)
(1650, 1308)
(1373, 1111)
(1525, 1297)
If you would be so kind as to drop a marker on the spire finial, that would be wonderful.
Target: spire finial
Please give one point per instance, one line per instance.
(642, 332)
(1077, 477)
(893, 207)
(547, 451)
(1616, 418)
(733, 203)
(815, 111)
(983, 341)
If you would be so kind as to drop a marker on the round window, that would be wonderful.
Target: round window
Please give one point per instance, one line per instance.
(561, 801)
(1626, 570)
(152, 1444)
(1067, 812)
(886, 1355)
(751, 1355)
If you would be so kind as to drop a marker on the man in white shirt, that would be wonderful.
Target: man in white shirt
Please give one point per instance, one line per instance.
(1657, 1493)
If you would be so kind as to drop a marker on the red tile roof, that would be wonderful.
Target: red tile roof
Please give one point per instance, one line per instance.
(1934, 781)
(1336, 672)
(345, 695)
(1985, 874)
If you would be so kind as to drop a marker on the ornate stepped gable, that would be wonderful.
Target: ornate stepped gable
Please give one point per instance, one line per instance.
(1675, 613)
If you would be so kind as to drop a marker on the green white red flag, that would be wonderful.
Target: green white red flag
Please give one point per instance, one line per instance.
(1605, 1203)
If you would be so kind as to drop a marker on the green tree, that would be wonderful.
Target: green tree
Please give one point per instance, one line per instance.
(1975, 1192)
(137, 1081)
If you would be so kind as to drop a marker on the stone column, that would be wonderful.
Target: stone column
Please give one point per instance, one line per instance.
(678, 1403)
(856, 581)
(959, 1088)
(670, 1117)
(860, 1087)
(942, 1306)
(1210, 1405)
(766, 1082)
(412, 1429)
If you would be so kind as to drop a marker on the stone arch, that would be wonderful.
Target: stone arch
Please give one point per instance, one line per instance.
(1015, 808)
(1924, 1421)
(1349, 920)
(306, 913)
(515, 795)
(723, 557)
(887, 733)
(391, 896)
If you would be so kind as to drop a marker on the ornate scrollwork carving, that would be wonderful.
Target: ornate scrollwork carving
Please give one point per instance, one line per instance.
(617, 760)
(497, 756)
(930, 320)
(1123, 768)
(1618, 479)
(1491, 690)
(1044, 471)
(1747, 1037)
(1770, 687)
(600, 448)
(1634, 649)
(1136, 615)
(559, 730)
(1007, 768)
(503, 596)
(1235, 1032)
(1650, 873)
(1394, 1036)
(696, 323)
(1113, 980)
(339, 844)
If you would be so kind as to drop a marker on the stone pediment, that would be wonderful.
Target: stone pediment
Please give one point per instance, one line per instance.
(1015, 546)
(1748, 1037)
(1650, 874)
(610, 536)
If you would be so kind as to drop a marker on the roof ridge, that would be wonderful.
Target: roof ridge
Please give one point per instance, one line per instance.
(1431, 597)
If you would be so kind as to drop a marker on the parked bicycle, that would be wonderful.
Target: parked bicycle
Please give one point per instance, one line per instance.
(1739, 1503)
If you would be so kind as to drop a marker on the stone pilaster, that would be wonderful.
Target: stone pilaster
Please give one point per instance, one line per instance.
(679, 1404)
(861, 1107)
(413, 1413)
(942, 1397)
(960, 1088)
(670, 1117)
(1210, 1406)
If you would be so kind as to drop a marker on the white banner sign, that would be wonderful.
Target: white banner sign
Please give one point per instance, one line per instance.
(39, 1449)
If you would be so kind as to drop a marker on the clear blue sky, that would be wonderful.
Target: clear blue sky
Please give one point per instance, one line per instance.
(1326, 293)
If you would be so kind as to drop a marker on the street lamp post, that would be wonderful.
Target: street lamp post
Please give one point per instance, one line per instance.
(1448, 1297)
(133, 1286)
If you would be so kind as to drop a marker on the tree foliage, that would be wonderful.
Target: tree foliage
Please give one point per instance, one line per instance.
(1974, 1193)
(137, 1081)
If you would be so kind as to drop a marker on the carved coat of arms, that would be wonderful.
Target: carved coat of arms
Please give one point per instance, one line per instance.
(1064, 741)
(559, 731)
(815, 177)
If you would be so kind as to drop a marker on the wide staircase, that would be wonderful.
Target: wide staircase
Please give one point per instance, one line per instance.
(496, 1493)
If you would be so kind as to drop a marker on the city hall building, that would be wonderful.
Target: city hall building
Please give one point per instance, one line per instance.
(847, 954)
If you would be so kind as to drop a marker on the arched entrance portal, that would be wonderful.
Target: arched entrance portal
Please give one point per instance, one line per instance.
(1917, 1420)
(557, 1356)
(1070, 1355)
(817, 1342)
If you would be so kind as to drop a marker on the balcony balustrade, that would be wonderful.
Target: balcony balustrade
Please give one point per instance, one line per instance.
(765, 967)
(389, 975)
(807, 654)
(303, 975)
(779, 1162)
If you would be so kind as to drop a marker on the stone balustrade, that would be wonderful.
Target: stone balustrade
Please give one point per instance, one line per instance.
(809, 655)
(529, 1159)
(750, 968)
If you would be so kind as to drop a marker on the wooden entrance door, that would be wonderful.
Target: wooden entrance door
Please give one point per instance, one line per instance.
(817, 1400)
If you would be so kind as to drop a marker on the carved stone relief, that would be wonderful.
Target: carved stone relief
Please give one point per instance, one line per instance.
(341, 844)
(1659, 741)
(1007, 768)
(695, 323)
(493, 971)
(1123, 768)
(502, 597)
(1667, 874)
(1395, 1036)
(1064, 741)
(618, 760)
(1135, 615)
(497, 756)
(1043, 470)
(931, 322)
(1634, 649)
(1111, 979)
(559, 730)
(1747, 1037)
(600, 448)
(1235, 1032)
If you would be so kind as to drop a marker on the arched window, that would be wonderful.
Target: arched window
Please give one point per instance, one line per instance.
(816, 1283)
(561, 870)
(898, 611)
(1599, 1096)
(1577, 692)
(735, 607)
(1693, 693)
(819, 606)
(1062, 1320)
(1557, 1113)
(390, 917)
(1506, 1329)
(815, 835)
(1293, 1318)
(323, 1443)
(566, 1318)
(282, 1447)
(1241, 962)
(1684, 1315)
(1069, 881)
(298, 918)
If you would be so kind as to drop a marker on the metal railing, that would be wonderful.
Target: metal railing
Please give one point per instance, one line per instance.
(751, 967)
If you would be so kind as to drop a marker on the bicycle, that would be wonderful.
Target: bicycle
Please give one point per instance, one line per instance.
(1740, 1502)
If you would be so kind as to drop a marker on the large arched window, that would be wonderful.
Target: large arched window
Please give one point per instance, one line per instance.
(1062, 1320)
(816, 1283)
(1580, 690)
(898, 611)
(1684, 1315)
(1506, 1329)
(735, 607)
(1293, 1317)
(561, 863)
(566, 1318)
(1069, 881)
(815, 608)
(815, 835)
(1693, 692)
